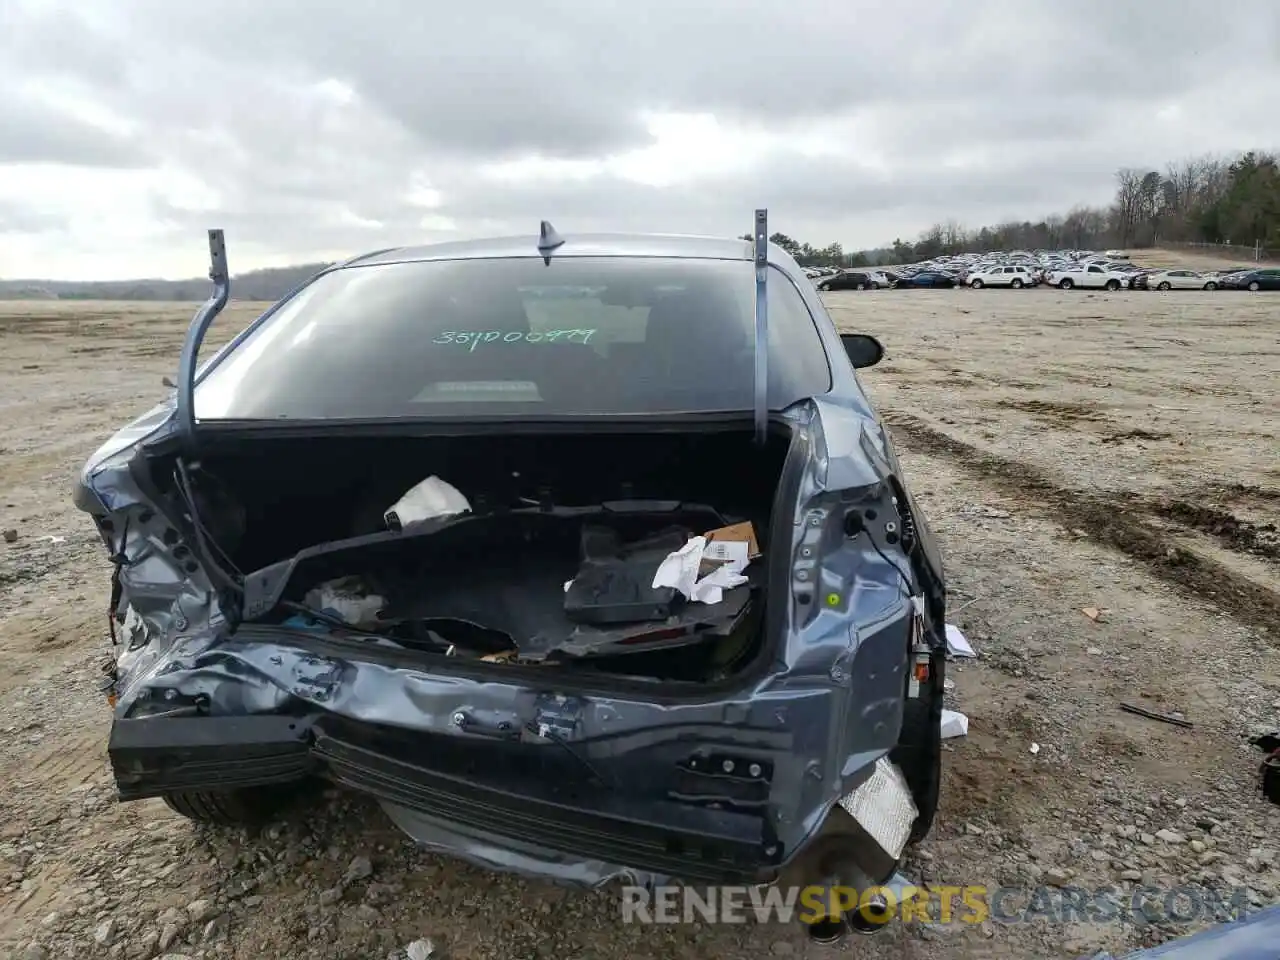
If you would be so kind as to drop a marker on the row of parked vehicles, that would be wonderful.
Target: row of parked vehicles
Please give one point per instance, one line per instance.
(831, 278)
(1063, 269)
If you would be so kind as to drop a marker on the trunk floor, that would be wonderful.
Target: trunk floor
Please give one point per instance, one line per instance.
(523, 597)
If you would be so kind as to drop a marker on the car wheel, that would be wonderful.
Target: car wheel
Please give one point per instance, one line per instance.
(1065, 284)
(1113, 284)
(230, 808)
(1016, 284)
(976, 284)
(1211, 285)
(918, 753)
(862, 286)
(1164, 285)
(824, 287)
(1254, 286)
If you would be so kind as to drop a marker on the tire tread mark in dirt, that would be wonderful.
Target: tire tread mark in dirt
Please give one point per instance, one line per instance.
(1055, 410)
(76, 760)
(1108, 522)
(1247, 491)
(1230, 530)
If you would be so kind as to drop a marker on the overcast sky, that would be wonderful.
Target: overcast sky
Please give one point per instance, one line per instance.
(313, 129)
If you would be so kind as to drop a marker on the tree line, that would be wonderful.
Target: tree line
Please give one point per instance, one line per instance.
(269, 284)
(1226, 200)
(1215, 200)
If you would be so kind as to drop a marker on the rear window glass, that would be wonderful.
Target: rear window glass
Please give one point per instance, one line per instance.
(607, 335)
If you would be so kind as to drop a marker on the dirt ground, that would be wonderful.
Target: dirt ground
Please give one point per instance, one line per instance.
(1103, 473)
(1192, 260)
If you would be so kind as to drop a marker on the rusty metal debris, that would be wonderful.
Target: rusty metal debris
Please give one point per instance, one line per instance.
(1152, 715)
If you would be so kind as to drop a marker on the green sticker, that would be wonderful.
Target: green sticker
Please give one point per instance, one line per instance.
(833, 599)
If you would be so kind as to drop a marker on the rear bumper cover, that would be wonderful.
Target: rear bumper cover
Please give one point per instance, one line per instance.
(585, 835)
(500, 765)
(726, 789)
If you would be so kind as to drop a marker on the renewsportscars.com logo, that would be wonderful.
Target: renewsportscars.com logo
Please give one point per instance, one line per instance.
(972, 904)
(811, 904)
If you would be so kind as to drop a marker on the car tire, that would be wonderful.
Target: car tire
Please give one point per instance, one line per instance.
(1163, 285)
(1255, 286)
(824, 287)
(230, 808)
(863, 286)
(1065, 283)
(1113, 284)
(1016, 284)
(918, 753)
(1211, 285)
(976, 284)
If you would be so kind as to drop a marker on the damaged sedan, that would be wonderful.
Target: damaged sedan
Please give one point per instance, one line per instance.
(587, 557)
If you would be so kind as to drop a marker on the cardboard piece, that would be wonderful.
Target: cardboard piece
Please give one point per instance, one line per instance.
(737, 531)
(734, 545)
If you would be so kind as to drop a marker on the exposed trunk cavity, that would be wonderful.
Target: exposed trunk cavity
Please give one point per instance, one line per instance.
(305, 522)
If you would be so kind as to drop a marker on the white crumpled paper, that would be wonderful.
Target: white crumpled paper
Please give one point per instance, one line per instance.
(957, 644)
(711, 588)
(679, 570)
(427, 500)
(954, 724)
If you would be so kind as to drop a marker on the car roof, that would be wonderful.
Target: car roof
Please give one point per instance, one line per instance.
(574, 245)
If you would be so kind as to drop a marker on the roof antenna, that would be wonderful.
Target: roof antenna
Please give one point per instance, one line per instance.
(548, 240)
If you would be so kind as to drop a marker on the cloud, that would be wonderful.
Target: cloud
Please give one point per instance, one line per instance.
(38, 127)
(21, 219)
(320, 130)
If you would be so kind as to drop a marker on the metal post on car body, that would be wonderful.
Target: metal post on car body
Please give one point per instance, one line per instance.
(761, 407)
(200, 323)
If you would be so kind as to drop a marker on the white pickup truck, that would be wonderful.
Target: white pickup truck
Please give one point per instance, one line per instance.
(1092, 276)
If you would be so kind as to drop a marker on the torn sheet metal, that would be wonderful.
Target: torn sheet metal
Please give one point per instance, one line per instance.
(524, 859)
(884, 807)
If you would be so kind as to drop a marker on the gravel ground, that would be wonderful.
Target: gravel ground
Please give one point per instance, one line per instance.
(1115, 453)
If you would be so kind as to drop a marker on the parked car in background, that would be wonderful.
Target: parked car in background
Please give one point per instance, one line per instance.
(817, 273)
(1180, 280)
(1014, 276)
(1217, 275)
(1253, 280)
(845, 280)
(1063, 268)
(925, 278)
